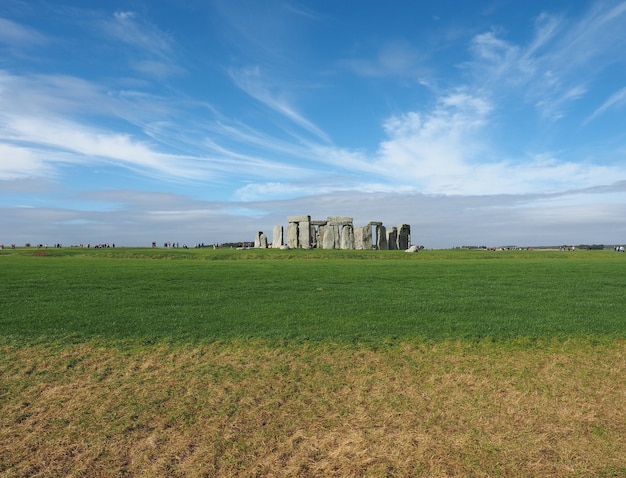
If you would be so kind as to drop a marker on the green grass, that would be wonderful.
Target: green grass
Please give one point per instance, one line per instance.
(141, 362)
(297, 296)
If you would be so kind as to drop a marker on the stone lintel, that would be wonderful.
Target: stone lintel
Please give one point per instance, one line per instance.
(298, 218)
(318, 222)
(375, 223)
(339, 220)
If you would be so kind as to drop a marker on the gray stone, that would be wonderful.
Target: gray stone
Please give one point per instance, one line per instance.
(304, 234)
(347, 237)
(367, 238)
(331, 237)
(260, 241)
(277, 237)
(320, 236)
(392, 239)
(292, 235)
(298, 218)
(339, 220)
(381, 238)
(404, 236)
(314, 237)
(358, 237)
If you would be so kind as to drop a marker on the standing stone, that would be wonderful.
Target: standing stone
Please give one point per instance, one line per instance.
(358, 238)
(257, 239)
(292, 235)
(404, 236)
(336, 237)
(304, 234)
(277, 237)
(381, 238)
(347, 237)
(263, 241)
(331, 237)
(392, 239)
(321, 231)
(367, 237)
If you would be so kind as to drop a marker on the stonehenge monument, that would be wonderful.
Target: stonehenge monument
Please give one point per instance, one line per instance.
(336, 232)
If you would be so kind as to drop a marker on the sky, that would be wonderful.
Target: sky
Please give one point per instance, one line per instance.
(490, 122)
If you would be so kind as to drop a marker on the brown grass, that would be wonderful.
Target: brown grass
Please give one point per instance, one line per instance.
(452, 409)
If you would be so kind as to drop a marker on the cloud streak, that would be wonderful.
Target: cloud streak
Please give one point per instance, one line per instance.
(17, 36)
(250, 80)
(153, 50)
(616, 101)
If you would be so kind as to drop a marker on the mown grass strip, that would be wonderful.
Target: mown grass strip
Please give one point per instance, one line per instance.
(314, 296)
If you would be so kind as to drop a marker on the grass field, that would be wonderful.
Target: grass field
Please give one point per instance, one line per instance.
(142, 362)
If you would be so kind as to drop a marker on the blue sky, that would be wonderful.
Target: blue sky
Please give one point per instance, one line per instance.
(477, 123)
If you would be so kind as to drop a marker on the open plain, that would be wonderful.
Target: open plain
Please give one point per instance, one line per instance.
(153, 362)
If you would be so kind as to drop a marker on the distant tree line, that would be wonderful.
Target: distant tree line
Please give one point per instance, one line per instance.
(591, 247)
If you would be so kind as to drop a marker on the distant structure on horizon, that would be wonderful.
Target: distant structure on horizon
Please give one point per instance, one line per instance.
(336, 232)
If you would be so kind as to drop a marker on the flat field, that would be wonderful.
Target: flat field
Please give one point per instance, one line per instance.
(202, 362)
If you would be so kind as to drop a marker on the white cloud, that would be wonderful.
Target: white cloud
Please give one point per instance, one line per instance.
(19, 36)
(557, 66)
(597, 37)
(616, 101)
(152, 50)
(157, 69)
(268, 191)
(553, 107)
(95, 145)
(251, 81)
(393, 59)
(18, 162)
(435, 151)
(127, 27)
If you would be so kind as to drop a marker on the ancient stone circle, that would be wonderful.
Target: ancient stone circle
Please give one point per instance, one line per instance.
(336, 232)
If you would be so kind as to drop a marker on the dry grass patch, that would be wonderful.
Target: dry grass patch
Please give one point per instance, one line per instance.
(248, 409)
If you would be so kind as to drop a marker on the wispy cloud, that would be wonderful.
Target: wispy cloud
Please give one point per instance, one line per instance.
(393, 59)
(128, 28)
(18, 36)
(19, 162)
(598, 36)
(152, 50)
(556, 67)
(48, 121)
(252, 81)
(41, 94)
(616, 101)
(89, 145)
